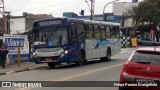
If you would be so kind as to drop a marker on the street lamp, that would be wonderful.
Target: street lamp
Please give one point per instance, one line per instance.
(105, 7)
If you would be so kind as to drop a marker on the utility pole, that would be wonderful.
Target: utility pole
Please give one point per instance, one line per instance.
(4, 17)
(8, 22)
(92, 9)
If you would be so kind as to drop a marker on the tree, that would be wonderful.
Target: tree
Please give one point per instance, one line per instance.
(147, 11)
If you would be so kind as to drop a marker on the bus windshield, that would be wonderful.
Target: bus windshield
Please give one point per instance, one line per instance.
(53, 36)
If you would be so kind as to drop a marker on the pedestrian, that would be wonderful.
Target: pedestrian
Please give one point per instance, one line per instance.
(3, 53)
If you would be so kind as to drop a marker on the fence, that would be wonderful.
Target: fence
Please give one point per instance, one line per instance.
(125, 42)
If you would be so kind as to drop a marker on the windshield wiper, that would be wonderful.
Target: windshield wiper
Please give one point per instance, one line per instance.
(143, 62)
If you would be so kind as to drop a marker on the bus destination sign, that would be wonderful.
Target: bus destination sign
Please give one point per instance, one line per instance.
(48, 23)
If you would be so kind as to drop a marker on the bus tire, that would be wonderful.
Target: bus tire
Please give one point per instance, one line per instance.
(108, 56)
(81, 59)
(51, 65)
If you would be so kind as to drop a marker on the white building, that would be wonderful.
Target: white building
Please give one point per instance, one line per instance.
(17, 25)
(21, 24)
(121, 7)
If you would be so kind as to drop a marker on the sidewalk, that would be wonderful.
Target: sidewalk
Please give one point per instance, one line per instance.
(25, 66)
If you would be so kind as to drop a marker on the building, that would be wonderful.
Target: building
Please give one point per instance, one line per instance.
(109, 17)
(69, 14)
(119, 8)
(21, 24)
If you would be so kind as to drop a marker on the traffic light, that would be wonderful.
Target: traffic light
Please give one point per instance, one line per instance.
(105, 16)
(82, 12)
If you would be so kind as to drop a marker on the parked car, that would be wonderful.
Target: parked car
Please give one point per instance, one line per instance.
(146, 41)
(143, 66)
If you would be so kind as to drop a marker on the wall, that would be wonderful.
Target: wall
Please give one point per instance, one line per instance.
(30, 18)
(24, 23)
(17, 25)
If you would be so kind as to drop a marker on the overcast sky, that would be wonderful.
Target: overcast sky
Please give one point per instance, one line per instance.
(56, 7)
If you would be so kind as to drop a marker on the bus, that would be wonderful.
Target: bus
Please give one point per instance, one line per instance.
(68, 40)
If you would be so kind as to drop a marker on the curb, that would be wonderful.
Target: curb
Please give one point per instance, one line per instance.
(21, 70)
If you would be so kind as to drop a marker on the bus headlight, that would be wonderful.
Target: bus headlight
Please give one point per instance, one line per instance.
(66, 52)
(34, 54)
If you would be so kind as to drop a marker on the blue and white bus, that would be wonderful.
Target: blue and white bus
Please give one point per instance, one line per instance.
(68, 40)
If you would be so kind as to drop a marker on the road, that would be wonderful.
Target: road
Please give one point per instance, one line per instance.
(93, 71)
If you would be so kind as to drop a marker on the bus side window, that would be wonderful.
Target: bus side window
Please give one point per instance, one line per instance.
(80, 30)
(1, 42)
(102, 32)
(72, 29)
(96, 32)
(108, 35)
(89, 31)
(112, 31)
(117, 32)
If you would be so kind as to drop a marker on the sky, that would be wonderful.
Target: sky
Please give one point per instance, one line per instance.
(56, 7)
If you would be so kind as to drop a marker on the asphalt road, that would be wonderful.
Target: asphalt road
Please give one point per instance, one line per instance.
(93, 71)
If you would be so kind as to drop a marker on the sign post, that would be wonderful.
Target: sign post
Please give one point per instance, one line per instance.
(19, 55)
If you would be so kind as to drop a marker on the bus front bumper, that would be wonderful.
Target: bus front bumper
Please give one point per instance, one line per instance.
(55, 59)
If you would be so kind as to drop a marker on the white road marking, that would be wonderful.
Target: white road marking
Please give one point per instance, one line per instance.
(123, 51)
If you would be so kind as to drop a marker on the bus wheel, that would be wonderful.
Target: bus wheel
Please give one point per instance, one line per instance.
(108, 55)
(51, 65)
(81, 59)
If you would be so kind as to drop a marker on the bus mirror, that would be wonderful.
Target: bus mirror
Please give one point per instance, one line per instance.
(30, 36)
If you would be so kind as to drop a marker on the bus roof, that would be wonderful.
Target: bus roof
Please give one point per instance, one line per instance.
(101, 22)
(80, 20)
(95, 22)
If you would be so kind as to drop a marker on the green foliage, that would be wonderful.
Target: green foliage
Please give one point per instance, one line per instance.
(148, 10)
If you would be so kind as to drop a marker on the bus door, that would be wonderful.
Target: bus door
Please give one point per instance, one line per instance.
(73, 41)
